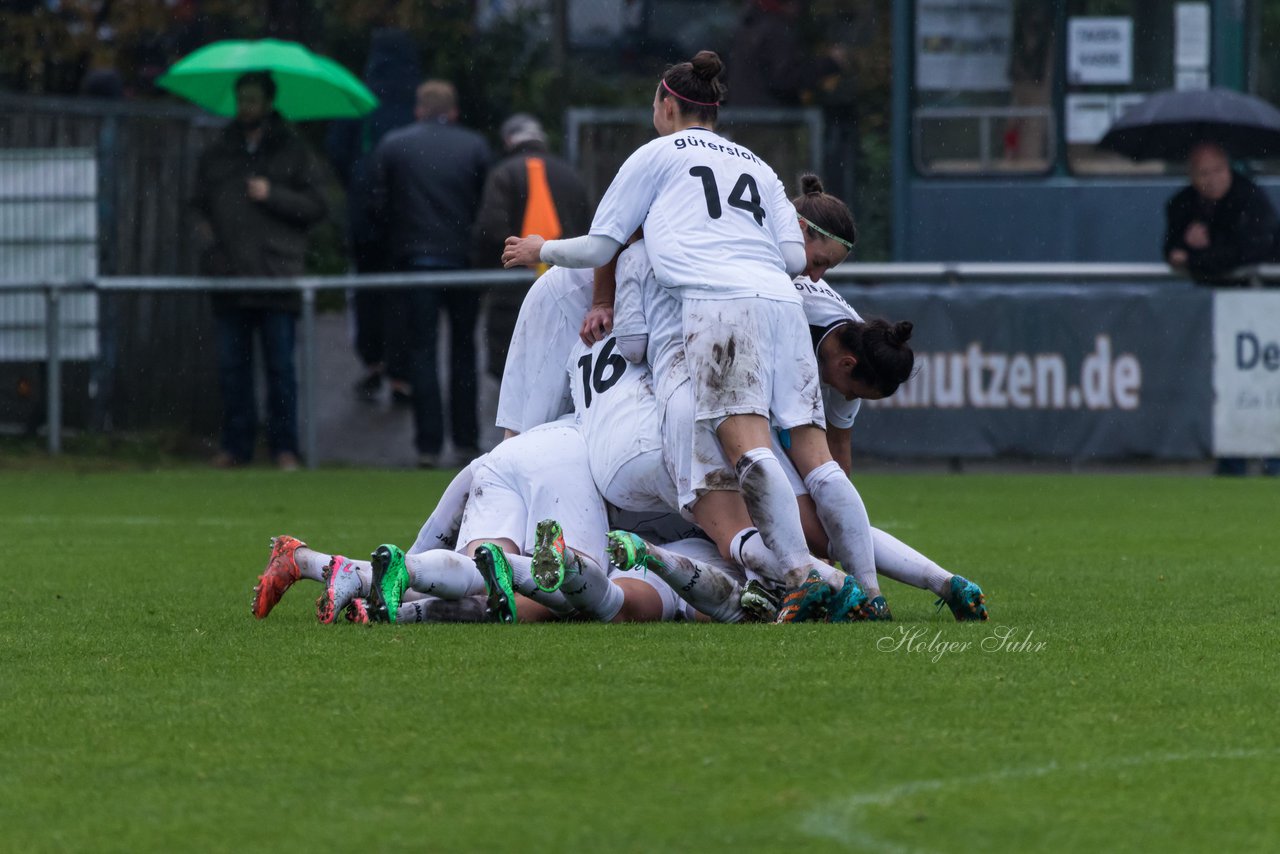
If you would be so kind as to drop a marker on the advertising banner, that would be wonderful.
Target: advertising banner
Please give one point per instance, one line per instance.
(1246, 373)
(1059, 371)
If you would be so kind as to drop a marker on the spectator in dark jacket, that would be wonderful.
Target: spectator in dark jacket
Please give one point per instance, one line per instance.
(427, 182)
(1220, 222)
(392, 72)
(530, 192)
(256, 198)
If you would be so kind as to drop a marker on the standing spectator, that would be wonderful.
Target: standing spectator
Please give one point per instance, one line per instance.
(392, 72)
(530, 192)
(427, 182)
(1220, 222)
(256, 198)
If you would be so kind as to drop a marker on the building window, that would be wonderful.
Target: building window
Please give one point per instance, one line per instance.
(983, 87)
(1117, 53)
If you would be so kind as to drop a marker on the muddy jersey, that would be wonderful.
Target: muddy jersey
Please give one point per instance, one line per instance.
(714, 216)
(825, 309)
(614, 407)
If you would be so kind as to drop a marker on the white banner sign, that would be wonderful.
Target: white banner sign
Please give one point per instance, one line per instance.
(1246, 373)
(1100, 51)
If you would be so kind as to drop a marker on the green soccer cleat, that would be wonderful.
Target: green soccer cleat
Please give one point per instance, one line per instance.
(390, 580)
(628, 551)
(849, 603)
(965, 599)
(806, 602)
(496, 571)
(548, 556)
(757, 604)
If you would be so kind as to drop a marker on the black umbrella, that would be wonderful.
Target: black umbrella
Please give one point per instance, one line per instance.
(1167, 125)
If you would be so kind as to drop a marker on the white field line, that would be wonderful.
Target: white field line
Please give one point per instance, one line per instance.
(839, 819)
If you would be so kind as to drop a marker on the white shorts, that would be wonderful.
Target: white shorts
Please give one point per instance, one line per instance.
(670, 601)
(643, 485)
(541, 474)
(695, 461)
(752, 356)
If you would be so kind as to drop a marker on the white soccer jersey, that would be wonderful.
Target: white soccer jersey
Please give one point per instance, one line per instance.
(714, 216)
(825, 309)
(535, 387)
(614, 407)
(643, 307)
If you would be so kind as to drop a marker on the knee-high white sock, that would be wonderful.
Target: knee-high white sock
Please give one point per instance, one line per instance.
(440, 531)
(750, 552)
(522, 582)
(432, 610)
(772, 506)
(899, 561)
(311, 563)
(444, 573)
(705, 587)
(587, 588)
(844, 516)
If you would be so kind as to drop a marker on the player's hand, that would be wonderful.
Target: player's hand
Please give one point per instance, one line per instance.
(1196, 236)
(597, 325)
(1177, 258)
(522, 251)
(258, 189)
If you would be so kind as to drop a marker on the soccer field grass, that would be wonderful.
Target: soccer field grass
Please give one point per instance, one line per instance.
(1130, 706)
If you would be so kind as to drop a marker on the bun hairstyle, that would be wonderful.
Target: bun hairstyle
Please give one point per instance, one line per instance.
(696, 86)
(884, 359)
(825, 210)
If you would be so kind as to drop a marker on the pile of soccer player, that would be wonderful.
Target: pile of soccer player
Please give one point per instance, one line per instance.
(677, 400)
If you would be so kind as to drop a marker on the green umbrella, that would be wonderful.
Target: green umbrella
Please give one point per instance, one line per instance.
(308, 86)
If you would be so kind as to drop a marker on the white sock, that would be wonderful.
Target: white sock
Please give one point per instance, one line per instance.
(311, 563)
(705, 587)
(750, 552)
(443, 573)
(772, 506)
(844, 516)
(522, 582)
(432, 610)
(588, 589)
(899, 561)
(440, 531)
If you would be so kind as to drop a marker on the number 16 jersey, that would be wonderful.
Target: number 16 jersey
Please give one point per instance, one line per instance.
(714, 216)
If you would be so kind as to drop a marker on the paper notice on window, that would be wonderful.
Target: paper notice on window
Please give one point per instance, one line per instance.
(1191, 78)
(1088, 117)
(1191, 36)
(1100, 51)
(962, 45)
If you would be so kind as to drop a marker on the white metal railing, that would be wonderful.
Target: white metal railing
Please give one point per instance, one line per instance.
(954, 273)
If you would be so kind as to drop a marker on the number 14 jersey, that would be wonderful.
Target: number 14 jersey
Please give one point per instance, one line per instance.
(714, 216)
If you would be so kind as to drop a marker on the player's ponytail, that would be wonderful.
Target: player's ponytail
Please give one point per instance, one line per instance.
(884, 359)
(696, 86)
(823, 212)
